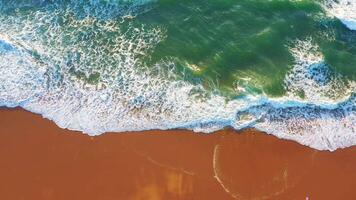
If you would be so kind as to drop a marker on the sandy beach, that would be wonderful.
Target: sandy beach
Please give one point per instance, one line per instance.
(42, 161)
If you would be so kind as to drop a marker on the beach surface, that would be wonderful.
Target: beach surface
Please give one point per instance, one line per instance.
(42, 161)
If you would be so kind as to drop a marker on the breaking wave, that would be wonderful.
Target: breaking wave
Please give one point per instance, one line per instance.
(88, 74)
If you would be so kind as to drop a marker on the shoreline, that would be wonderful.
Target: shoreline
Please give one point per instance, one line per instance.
(42, 161)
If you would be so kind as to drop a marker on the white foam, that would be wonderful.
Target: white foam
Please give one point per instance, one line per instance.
(127, 96)
(312, 78)
(46, 67)
(20, 79)
(345, 10)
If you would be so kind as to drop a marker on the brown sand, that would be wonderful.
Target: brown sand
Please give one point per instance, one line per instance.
(39, 161)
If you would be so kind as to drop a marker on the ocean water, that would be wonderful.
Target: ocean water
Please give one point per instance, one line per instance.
(286, 67)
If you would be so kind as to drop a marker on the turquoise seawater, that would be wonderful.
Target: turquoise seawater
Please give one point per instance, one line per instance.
(287, 67)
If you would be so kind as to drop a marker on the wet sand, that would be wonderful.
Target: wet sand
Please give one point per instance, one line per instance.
(41, 161)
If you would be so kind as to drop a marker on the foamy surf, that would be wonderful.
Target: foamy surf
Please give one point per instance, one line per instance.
(345, 10)
(69, 70)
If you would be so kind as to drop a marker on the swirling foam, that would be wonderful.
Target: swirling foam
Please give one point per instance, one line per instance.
(312, 79)
(57, 64)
